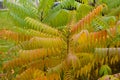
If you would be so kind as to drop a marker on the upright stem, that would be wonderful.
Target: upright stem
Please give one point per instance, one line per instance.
(108, 53)
(41, 17)
(68, 39)
(94, 1)
(67, 44)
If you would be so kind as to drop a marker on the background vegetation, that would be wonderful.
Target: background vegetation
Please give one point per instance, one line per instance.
(73, 40)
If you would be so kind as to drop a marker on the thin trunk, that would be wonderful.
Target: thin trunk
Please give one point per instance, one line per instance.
(41, 17)
(108, 54)
(68, 41)
(94, 1)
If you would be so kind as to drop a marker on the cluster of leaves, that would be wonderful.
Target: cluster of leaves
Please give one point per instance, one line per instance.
(58, 42)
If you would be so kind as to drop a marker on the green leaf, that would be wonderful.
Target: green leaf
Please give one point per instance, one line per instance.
(105, 70)
(59, 18)
(82, 11)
